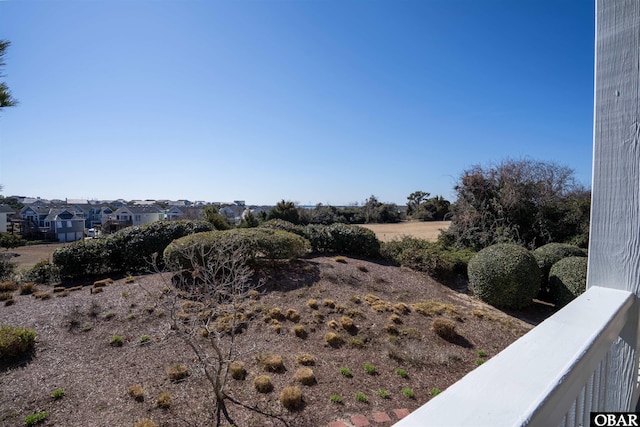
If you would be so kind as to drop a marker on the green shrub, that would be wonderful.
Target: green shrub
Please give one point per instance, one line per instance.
(433, 258)
(343, 238)
(15, 343)
(282, 225)
(43, 272)
(127, 250)
(361, 397)
(551, 253)
(567, 279)
(36, 418)
(7, 268)
(261, 243)
(335, 398)
(57, 393)
(505, 276)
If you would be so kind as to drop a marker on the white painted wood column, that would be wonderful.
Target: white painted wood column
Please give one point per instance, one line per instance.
(614, 249)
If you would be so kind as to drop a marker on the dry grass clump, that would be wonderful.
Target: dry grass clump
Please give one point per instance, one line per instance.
(355, 299)
(97, 290)
(292, 315)
(354, 312)
(254, 294)
(340, 259)
(75, 288)
(333, 339)
(305, 376)
(237, 370)
(305, 359)
(382, 306)
(137, 392)
(392, 329)
(362, 268)
(276, 313)
(178, 372)
(192, 306)
(28, 288)
(271, 362)
(394, 318)
(16, 342)
(329, 303)
(164, 400)
(333, 324)
(347, 323)
(371, 299)
(42, 295)
(356, 342)
(433, 308)
(401, 308)
(6, 296)
(262, 384)
(313, 304)
(8, 286)
(300, 331)
(444, 328)
(59, 289)
(146, 422)
(102, 283)
(291, 398)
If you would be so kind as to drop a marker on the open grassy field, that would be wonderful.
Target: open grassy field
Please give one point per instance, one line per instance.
(428, 230)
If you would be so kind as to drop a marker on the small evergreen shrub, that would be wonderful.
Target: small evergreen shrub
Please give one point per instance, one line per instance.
(370, 369)
(505, 276)
(361, 397)
(36, 418)
(15, 343)
(383, 394)
(401, 372)
(335, 398)
(433, 258)
(551, 253)
(7, 269)
(291, 398)
(408, 392)
(346, 372)
(116, 341)
(44, 272)
(567, 280)
(342, 238)
(57, 394)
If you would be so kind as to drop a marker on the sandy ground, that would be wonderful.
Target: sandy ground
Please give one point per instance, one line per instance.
(428, 230)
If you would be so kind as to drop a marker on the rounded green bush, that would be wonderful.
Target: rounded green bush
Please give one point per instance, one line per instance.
(281, 224)
(343, 238)
(567, 280)
(505, 276)
(261, 243)
(551, 253)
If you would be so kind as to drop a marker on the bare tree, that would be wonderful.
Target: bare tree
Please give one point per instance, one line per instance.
(207, 294)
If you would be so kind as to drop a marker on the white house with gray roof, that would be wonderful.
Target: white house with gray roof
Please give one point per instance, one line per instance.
(5, 211)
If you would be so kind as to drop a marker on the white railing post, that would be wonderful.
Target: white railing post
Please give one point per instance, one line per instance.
(614, 250)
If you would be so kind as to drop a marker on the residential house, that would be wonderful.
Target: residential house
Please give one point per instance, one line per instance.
(138, 215)
(62, 223)
(184, 212)
(5, 211)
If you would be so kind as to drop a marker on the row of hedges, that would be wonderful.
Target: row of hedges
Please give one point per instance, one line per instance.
(510, 276)
(433, 258)
(335, 238)
(258, 244)
(126, 251)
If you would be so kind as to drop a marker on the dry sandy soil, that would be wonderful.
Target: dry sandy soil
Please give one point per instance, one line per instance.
(428, 230)
(74, 330)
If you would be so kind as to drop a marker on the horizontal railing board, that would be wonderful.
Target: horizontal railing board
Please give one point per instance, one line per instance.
(536, 379)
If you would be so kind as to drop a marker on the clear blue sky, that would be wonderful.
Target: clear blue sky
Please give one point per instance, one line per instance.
(312, 101)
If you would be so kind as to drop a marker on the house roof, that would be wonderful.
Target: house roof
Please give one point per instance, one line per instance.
(6, 209)
(141, 209)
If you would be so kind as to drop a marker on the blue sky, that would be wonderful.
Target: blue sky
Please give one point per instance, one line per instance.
(315, 101)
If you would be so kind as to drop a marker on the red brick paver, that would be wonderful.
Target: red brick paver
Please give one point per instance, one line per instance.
(381, 417)
(360, 421)
(337, 424)
(401, 413)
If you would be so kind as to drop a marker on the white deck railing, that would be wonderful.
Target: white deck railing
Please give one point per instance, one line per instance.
(552, 376)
